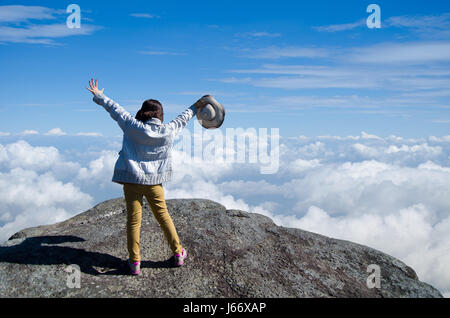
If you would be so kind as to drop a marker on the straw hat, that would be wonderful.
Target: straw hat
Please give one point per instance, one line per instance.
(212, 115)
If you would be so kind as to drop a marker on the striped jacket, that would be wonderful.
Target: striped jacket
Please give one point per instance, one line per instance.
(145, 157)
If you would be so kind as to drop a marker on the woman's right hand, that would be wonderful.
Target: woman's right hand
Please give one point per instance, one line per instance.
(94, 87)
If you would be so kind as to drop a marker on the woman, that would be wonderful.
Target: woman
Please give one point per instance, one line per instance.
(143, 164)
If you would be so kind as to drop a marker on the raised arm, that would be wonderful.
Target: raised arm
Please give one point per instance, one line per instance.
(178, 124)
(126, 121)
(181, 120)
(117, 112)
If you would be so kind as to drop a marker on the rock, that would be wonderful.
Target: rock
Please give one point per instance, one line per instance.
(231, 253)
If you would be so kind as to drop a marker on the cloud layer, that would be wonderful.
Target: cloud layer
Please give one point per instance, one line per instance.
(390, 193)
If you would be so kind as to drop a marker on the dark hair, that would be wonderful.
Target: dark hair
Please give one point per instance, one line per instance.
(150, 108)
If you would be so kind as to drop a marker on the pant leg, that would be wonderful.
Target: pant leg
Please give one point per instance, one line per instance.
(155, 197)
(133, 198)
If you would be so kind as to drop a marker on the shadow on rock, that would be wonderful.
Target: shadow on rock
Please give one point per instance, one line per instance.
(43, 250)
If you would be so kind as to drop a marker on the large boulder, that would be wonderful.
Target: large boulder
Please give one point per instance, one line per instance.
(231, 253)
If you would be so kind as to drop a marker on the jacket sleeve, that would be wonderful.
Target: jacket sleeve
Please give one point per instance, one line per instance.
(117, 112)
(177, 125)
(127, 122)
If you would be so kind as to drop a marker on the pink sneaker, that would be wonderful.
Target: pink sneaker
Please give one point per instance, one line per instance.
(179, 258)
(135, 267)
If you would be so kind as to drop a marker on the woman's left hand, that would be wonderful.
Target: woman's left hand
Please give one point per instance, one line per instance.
(94, 87)
(202, 102)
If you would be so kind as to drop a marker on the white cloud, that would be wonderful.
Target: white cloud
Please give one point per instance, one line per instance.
(28, 199)
(422, 22)
(286, 52)
(19, 13)
(416, 85)
(341, 27)
(26, 188)
(369, 187)
(296, 82)
(365, 135)
(42, 33)
(89, 134)
(56, 132)
(301, 165)
(425, 25)
(249, 188)
(33, 192)
(423, 148)
(390, 193)
(31, 32)
(429, 26)
(144, 15)
(100, 170)
(314, 150)
(157, 52)
(364, 150)
(328, 137)
(439, 139)
(260, 34)
(29, 132)
(402, 53)
(21, 154)
(433, 166)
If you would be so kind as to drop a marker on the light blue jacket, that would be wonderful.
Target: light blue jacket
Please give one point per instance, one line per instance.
(145, 157)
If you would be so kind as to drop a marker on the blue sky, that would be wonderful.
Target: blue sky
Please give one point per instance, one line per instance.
(306, 68)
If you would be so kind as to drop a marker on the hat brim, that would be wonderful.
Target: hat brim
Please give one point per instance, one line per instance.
(218, 119)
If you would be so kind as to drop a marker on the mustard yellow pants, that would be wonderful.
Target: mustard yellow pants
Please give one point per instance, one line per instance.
(155, 197)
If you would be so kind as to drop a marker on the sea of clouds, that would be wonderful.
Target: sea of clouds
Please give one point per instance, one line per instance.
(389, 193)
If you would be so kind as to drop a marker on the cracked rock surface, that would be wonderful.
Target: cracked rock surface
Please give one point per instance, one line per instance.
(231, 253)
